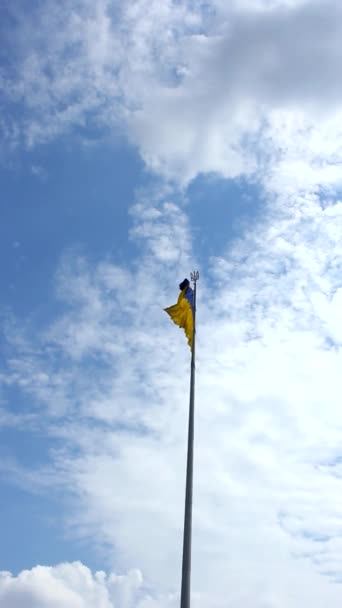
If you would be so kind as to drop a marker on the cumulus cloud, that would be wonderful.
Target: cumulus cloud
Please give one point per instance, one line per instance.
(71, 585)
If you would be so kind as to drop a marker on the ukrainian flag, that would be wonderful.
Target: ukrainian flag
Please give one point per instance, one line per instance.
(182, 313)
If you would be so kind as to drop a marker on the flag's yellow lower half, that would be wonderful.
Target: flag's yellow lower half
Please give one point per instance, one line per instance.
(181, 314)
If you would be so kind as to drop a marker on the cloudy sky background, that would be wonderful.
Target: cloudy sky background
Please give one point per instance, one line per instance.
(141, 140)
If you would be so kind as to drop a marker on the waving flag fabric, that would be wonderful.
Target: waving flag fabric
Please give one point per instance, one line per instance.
(182, 312)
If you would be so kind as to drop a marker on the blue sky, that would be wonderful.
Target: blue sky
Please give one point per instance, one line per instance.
(65, 195)
(141, 141)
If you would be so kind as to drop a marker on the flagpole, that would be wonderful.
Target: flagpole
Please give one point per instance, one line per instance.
(186, 564)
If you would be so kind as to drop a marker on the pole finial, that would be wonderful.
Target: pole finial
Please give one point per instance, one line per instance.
(194, 276)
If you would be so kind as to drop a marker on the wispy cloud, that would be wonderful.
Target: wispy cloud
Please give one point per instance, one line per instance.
(220, 83)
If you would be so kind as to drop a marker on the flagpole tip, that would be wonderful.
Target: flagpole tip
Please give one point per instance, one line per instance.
(194, 276)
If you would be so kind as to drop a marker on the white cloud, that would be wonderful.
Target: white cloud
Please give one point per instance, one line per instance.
(196, 87)
(70, 585)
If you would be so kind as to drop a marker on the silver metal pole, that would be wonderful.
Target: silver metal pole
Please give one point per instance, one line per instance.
(186, 564)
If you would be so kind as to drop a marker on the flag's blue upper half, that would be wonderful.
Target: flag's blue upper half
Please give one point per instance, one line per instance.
(189, 296)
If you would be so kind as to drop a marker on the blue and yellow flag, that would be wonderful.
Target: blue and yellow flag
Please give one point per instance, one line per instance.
(182, 312)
